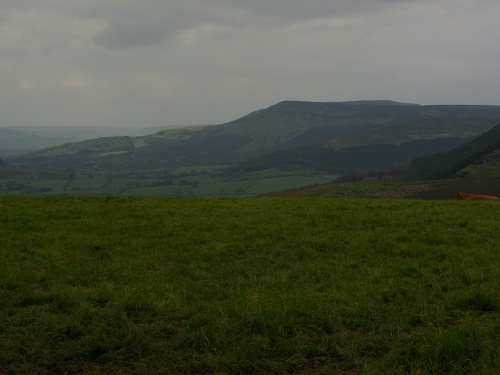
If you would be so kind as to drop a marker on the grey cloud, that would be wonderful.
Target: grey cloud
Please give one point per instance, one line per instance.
(312, 8)
(141, 24)
(122, 34)
(145, 23)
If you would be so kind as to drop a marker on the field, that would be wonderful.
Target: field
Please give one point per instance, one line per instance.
(185, 181)
(487, 167)
(248, 286)
(431, 189)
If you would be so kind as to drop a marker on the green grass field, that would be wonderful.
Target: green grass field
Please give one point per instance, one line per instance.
(131, 285)
(186, 181)
(489, 167)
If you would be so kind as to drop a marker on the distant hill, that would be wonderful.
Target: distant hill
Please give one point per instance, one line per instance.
(376, 136)
(379, 157)
(14, 142)
(156, 129)
(478, 158)
(473, 167)
(22, 139)
(337, 137)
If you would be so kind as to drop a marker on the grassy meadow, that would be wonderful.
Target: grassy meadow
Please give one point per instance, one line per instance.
(130, 285)
(185, 181)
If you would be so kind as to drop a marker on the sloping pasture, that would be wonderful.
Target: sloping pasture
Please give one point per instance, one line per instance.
(248, 285)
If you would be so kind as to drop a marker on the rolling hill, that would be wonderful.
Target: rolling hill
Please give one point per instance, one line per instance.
(22, 139)
(309, 131)
(14, 142)
(382, 135)
(480, 157)
(472, 167)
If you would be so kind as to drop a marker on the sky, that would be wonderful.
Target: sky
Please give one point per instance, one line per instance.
(143, 63)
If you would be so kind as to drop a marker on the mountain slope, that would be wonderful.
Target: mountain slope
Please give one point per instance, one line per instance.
(484, 148)
(349, 160)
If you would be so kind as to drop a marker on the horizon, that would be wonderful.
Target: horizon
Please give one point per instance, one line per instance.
(173, 126)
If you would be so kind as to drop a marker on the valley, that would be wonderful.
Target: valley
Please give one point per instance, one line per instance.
(288, 145)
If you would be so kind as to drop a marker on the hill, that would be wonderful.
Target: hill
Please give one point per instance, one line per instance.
(473, 167)
(287, 125)
(348, 160)
(13, 142)
(486, 166)
(480, 154)
(22, 139)
(406, 132)
(289, 144)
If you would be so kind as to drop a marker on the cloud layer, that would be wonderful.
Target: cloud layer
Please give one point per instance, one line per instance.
(155, 62)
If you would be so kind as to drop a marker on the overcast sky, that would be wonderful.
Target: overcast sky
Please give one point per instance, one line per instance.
(167, 62)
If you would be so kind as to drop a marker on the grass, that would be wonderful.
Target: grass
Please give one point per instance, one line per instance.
(248, 285)
(342, 189)
(488, 167)
(184, 181)
(435, 189)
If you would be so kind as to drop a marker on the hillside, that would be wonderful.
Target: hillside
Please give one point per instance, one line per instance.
(106, 153)
(472, 167)
(427, 190)
(14, 142)
(487, 166)
(22, 139)
(407, 132)
(284, 126)
(480, 154)
(348, 160)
